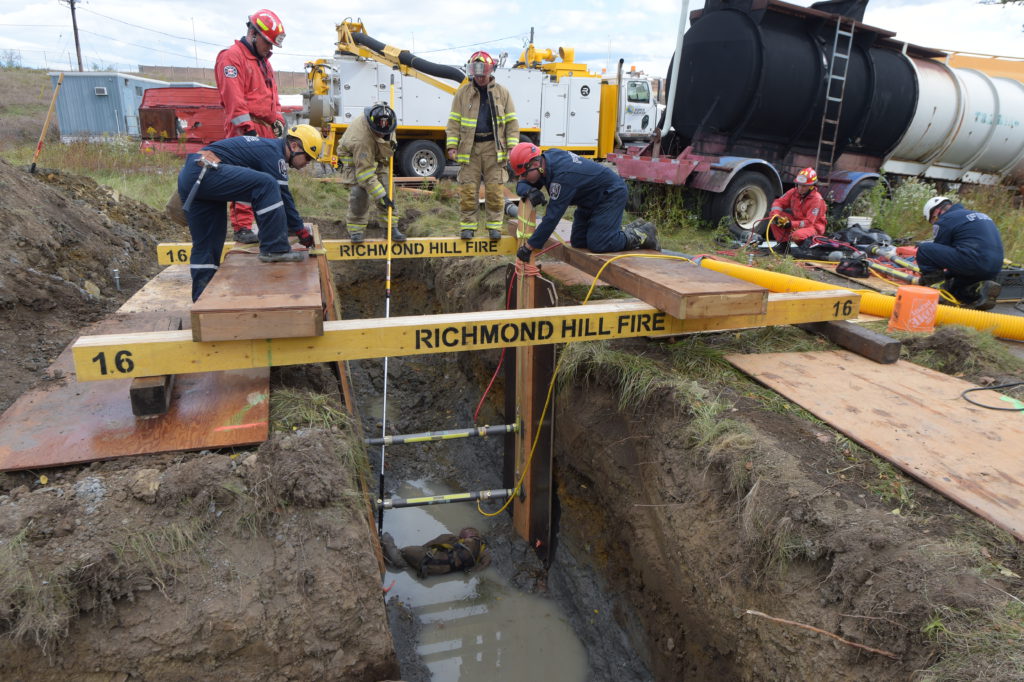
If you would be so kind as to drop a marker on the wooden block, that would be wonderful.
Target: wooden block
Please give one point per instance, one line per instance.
(170, 290)
(913, 417)
(681, 289)
(870, 344)
(151, 396)
(248, 299)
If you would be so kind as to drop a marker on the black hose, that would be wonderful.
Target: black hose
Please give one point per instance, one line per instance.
(993, 388)
(406, 58)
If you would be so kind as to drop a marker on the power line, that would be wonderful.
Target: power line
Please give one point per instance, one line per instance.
(144, 47)
(462, 47)
(152, 30)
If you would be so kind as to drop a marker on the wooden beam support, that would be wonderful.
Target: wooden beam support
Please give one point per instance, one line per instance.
(252, 300)
(171, 253)
(121, 356)
(151, 396)
(870, 344)
(681, 289)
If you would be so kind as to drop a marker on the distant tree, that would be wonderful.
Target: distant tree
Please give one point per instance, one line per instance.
(10, 59)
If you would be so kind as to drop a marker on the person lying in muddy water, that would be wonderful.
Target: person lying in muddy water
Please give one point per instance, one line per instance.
(446, 553)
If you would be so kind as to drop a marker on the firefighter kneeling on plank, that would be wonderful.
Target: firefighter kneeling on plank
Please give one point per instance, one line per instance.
(446, 553)
(596, 191)
(253, 170)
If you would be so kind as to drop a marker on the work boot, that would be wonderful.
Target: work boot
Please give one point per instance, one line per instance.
(641, 234)
(246, 236)
(493, 234)
(392, 556)
(466, 234)
(931, 277)
(397, 235)
(988, 292)
(286, 257)
(356, 236)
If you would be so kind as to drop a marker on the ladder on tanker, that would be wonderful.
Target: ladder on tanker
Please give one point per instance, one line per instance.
(835, 89)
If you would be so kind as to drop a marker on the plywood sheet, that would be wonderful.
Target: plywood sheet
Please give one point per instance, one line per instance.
(913, 417)
(681, 289)
(248, 299)
(63, 422)
(171, 289)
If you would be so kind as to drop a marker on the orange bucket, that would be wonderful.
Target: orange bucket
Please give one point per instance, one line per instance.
(915, 308)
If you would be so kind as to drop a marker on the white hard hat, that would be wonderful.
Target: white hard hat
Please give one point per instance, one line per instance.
(931, 205)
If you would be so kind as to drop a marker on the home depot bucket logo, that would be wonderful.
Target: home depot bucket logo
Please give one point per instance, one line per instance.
(915, 309)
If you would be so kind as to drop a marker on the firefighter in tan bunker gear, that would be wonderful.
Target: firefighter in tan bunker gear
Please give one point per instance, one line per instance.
(364, 152)
(482, 128)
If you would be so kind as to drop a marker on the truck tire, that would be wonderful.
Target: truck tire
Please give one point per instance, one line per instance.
(839, 213)
(421, 158)
(745, 201)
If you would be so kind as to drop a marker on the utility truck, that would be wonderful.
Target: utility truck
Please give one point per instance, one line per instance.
(559, 102)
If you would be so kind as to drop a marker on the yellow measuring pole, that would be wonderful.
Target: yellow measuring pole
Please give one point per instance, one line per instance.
(124, 356)
(174, 253)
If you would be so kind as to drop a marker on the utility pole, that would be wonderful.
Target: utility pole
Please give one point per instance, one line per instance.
(74, 25)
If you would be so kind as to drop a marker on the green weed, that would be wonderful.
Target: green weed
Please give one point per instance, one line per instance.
(977, 644)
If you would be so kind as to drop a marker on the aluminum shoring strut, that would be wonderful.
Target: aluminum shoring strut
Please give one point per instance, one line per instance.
(428, 436)
(399, 502)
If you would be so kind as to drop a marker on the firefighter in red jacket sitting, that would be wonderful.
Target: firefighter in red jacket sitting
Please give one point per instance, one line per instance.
(799, 213)
(248, 92)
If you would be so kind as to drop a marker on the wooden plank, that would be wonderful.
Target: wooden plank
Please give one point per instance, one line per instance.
(865, 342)
(96, 357)
(568, 275)
(913, 417)
(681, 289)
(248, 299)
(209, 410)
(171, 289)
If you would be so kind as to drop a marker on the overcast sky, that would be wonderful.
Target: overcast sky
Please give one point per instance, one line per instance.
(120, 34)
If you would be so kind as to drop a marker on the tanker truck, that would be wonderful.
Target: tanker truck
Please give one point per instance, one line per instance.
(559, 102)
(765, 88)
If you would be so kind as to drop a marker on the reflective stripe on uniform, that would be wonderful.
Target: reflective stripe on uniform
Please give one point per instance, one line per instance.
(204, 267)
(493, 224)
(243, 203)
(365, 175)
(468, 226)
(468, 122)
(283, 182)
(462, 158)
(242, 118)
(270, 208)
(377, 192)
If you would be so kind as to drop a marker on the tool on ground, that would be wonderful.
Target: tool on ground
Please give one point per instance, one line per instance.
(46, 124)
(206, 164)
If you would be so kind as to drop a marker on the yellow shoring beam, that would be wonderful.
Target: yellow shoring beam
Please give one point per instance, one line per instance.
(124, 356)
(176, 253)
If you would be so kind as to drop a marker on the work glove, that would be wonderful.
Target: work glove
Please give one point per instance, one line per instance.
(250, 132)
(524, 253)
(278, 128)
(305, 237)
(781, 220)
(536, 197)
(386, 203)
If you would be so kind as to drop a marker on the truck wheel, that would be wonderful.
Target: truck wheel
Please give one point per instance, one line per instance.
(745, 201)
(849, 207)
(421, 158)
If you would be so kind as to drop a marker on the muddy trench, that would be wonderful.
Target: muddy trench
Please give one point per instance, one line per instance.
(664, 545)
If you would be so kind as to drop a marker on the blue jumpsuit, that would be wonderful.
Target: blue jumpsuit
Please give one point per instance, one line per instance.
(252, 170)
(968, 246)
(598, 193)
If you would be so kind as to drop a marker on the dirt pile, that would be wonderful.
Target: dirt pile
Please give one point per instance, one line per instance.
(62, 237)
(193, 567)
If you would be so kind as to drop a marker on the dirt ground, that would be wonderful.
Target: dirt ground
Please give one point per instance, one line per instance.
(249, 564)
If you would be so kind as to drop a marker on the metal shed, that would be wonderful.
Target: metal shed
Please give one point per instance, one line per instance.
(98, 104)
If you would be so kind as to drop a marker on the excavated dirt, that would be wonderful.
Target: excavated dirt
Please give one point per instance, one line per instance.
(248, 564)
(252, 565)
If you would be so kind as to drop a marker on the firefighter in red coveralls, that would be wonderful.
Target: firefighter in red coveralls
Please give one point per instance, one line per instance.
(248, 92)
(799, 213)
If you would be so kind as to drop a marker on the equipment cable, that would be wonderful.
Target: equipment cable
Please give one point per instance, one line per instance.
(554, 379)
(994, 388)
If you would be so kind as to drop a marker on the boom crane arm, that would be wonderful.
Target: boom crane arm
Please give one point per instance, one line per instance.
(353, 39)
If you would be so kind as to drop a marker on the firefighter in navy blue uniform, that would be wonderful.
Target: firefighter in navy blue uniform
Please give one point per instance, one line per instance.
(967, 252)
(254, 170)
(596, 191)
